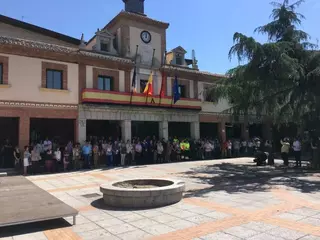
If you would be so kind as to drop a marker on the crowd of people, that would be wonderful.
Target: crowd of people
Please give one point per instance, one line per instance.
(97, 152)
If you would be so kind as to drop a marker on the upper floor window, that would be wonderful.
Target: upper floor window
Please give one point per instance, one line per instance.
(143, 84)
(1, 73)
(105, 83)
(178, 59)
(182, 91)
(210, 94)
(54, 79)
(104, 47)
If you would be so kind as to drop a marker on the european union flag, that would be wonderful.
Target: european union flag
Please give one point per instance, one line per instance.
(175, 90)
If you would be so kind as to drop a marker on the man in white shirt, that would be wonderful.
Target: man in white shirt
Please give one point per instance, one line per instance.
(297, 151)
(47, 145)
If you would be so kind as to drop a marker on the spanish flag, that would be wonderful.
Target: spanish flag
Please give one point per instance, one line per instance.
(148, 89)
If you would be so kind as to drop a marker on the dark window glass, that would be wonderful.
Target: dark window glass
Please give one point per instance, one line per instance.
(105, 83)
(54, 79)
(182, 91)
(143, 84)
(104, 47)
(1, 74)
(178, 60)
(210, 95)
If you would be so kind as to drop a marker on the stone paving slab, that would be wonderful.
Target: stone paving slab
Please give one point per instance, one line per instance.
(225, 199)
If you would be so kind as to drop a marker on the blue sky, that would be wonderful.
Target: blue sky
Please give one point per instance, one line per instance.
(204, 25)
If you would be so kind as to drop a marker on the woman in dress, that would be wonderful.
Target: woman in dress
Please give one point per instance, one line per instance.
(26, 160)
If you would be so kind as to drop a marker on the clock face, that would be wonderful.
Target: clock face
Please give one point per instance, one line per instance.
(145, 36)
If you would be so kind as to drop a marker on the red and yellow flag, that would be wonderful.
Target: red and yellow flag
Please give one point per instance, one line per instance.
(148, 89)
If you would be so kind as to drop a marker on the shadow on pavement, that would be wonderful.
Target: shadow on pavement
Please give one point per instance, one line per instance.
(22, 229)
(246, 178)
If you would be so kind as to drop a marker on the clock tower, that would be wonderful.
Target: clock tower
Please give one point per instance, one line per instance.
(134, 6)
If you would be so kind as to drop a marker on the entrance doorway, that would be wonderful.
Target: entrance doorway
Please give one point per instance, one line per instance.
(9, 138)
(9, 130)
(209, 130)
(179, 129)
(60, 130)
(104, 128)
(233, 130)
(144, 129)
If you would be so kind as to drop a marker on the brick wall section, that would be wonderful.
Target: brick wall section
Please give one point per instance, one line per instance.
(185, 83)
(54, 66)
(5, 69)
(108, 73)
(127, 81)
(24, 115)
(82, 79)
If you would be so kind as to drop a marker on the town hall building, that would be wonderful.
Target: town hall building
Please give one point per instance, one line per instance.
(57, 86)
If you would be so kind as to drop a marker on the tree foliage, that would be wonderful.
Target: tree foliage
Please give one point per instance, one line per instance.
(279, 78)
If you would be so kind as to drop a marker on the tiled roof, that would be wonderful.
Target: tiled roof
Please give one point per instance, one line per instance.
(189, 70)
(59, 48)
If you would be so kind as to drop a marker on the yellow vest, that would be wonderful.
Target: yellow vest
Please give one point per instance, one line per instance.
(187, 146)
(182, 146)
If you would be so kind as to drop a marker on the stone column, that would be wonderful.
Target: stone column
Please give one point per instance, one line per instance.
(126, 130)
(222, 131)
(195, 130)
(24, 131)
(82, 130)
(164, 130)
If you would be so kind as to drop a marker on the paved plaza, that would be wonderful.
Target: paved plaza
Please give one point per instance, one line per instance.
(224, 200)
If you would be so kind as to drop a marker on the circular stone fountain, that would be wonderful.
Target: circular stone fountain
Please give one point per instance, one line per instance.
(142, 193)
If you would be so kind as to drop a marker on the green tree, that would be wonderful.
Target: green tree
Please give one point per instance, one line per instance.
(279, 78)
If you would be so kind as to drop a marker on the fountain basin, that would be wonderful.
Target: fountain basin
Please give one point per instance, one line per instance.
(142, 193)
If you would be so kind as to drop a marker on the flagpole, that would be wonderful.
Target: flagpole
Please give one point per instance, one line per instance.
(154, 50)
(135, 65)
(163, 64)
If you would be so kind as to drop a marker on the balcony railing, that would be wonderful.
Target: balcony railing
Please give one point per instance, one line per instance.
(138, 99)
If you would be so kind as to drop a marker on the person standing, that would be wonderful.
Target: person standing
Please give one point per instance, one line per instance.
(76, 153)
(285, 151)
(109, 154)
(57, 156)
(207, 150)
(236, 148)
(297, 151)
(26, 160)
(35, 158)
(159, 152)
(138, 149)
(96, 155)
(86, 151)
(129, 152)
(229, 148)
(123, 152)
(17, 158)
(244, 149)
